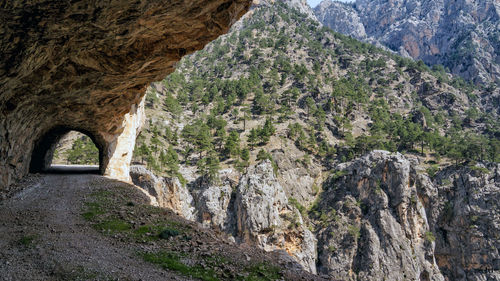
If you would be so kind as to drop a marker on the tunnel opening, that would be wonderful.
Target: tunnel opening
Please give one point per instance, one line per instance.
(67, 150)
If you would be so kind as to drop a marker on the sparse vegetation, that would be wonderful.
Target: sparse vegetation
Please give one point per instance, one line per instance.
(27, 240)
(354, 231)
(111, 212)
(429, 236)
(172, 261)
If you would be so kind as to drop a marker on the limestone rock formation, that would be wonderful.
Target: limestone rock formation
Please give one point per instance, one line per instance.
(381, 216)
(260, 200)
(467, 223)
(84, 66)
(341, 17)
(299, 181)
(215, 201)
(169, 192)
(265, 218)
(373, 224)
(461, 35)
(252, 208)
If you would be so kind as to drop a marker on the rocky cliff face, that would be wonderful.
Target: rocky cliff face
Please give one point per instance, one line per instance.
(373, 224)
(169, 193)
(253, 210)
(466, 221)
(341, 17)
(381, 217)
(265, 218)
(85, 66)
(461, 35)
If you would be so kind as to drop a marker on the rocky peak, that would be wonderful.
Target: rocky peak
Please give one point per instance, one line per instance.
(461, 35)
(299, 5)
(347, 20)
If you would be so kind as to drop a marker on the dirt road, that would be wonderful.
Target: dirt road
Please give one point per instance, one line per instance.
(44, 237)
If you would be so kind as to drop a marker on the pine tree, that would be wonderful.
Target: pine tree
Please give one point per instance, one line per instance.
(263, 155)
(143, 152)
(253, 138)
(209, 166)
(163, 158)
(155, 141)
(172, 161)
(232, 147)
(245, 155)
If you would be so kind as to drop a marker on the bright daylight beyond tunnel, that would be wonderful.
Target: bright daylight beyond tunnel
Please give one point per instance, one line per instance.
(75, 152)
(76, 148)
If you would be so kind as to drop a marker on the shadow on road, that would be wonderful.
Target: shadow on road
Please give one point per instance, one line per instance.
(73, 169)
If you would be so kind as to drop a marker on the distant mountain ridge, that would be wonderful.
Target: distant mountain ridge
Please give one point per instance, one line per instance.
(463, 36)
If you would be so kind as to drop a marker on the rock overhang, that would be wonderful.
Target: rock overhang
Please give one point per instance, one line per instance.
(85, 65)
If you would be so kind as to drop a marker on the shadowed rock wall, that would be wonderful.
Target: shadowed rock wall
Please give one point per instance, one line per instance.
(85, 65)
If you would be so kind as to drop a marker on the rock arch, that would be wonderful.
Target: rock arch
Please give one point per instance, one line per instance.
(86, 64)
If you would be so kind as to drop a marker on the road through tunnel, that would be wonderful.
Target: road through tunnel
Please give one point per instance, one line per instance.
(68, 150)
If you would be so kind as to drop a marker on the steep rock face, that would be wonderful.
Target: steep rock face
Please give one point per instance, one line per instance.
(467, 222)
(462, 35)
(380, 217)
(260, 200)
(215, 201)
(84, 66)
(341, 18)
(373, 225)
(252, 208)
(263, 217)
(299, 181)
(169, 193)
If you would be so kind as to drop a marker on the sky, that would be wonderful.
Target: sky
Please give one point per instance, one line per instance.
(313, 3)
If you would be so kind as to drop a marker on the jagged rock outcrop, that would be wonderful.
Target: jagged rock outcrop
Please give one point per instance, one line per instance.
(373, 226)
(85, 66)
(265, 218)
(169, 192)
(381, 216)
(300, 181)
(252, 208)
(260, 200)
(461, 35)
(341, 17)
(466, 222)
(215, 201)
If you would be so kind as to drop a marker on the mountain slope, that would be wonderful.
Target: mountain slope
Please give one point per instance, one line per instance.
(464, 36)
(264, 113)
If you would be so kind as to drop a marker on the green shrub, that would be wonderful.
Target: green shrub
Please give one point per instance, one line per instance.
(429, 236)
(168, 232)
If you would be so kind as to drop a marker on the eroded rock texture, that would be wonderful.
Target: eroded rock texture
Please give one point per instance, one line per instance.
(382, 218)
(375, 226)
(168, 192)
(252, 208)
(84, 65)
(467, 222)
